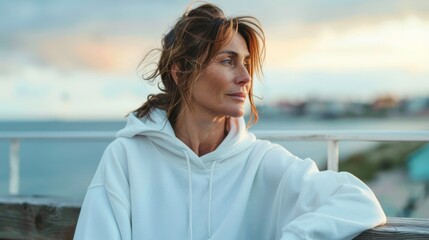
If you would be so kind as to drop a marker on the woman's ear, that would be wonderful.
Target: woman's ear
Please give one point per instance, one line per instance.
(175, 73)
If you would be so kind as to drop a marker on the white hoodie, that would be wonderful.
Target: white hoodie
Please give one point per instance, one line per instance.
(150, 185)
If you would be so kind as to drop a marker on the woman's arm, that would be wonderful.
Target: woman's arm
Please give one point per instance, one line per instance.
(96, 219)
(323, 205)
(105, 213)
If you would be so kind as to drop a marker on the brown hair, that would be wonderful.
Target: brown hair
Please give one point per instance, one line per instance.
(190, 46)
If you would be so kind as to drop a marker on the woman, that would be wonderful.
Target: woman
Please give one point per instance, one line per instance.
(185, 166)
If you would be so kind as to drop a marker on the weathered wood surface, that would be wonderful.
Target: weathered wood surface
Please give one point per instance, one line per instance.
(399, 228)
(38, 218)
(42, 218)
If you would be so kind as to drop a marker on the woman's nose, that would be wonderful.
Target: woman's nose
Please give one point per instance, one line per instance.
(243, 76)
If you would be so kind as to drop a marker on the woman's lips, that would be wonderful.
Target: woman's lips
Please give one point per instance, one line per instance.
(239, 96)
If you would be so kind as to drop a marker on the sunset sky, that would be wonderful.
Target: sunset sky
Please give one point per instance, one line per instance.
(78, 59)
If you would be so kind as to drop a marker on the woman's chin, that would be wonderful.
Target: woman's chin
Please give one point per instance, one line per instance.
(237, 114)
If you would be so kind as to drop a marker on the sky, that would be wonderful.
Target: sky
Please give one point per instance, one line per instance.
(79, 59)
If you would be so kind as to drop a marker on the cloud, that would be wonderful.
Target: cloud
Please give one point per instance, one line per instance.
(389, 44)
(43, 92)
(113, 54)
(355, 85)
(78, 59)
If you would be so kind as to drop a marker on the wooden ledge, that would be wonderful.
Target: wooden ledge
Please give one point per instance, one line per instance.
(399, 228)
(38, 218)
(55, 218)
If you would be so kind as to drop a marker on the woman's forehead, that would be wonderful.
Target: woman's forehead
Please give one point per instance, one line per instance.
(236, 46)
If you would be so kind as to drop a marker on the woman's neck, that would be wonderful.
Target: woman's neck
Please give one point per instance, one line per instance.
(202, 135)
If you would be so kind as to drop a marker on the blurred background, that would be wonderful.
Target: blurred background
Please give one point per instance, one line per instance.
(330, 65)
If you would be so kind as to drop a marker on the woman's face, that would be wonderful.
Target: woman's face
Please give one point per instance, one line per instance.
(223, 87)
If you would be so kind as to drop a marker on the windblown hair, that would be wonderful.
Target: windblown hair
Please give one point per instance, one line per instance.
(189, 47)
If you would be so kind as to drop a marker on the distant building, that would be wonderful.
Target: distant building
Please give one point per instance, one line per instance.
(385, 103)
(382, 106)
(417, 106)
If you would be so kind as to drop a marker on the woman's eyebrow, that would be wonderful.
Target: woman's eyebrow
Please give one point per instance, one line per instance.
(232, 53)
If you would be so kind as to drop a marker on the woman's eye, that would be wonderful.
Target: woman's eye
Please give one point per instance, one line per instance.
(227, 61)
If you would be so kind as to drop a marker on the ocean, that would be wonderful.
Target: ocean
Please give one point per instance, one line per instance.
(64, 168)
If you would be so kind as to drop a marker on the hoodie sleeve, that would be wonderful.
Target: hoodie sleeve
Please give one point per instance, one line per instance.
(323, 205)
(105, 212)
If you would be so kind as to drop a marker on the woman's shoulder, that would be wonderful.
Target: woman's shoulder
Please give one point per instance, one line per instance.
(273, 151)
(122, 143)
(121, 149)
(277, 161)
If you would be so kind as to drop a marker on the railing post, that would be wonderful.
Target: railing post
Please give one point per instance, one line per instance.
(14, 167)
(333, 156)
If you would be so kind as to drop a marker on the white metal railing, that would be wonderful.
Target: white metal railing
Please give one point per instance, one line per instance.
(331, 137)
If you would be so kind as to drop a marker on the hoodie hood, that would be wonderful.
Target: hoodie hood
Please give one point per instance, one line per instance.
(159, 130)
